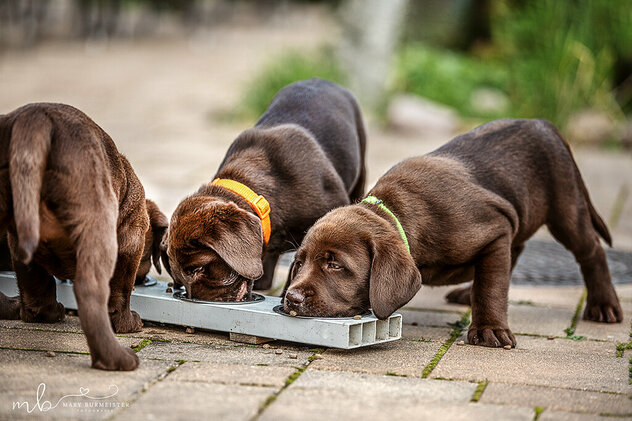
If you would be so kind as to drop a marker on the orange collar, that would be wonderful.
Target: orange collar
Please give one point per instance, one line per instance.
(257, 202)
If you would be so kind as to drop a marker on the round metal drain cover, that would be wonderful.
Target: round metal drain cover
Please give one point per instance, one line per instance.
(549, 263)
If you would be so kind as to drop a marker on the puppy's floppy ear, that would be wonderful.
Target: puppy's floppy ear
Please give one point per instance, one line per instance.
(237, 237)
(394, 278)
(159, 224)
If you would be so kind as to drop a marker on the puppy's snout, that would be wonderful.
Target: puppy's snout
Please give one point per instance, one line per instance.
(295, 297)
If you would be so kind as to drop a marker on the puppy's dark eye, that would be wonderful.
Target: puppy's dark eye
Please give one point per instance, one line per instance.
(333, 265)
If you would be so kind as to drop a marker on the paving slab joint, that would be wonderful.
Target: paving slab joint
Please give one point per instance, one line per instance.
(146, 387)
(291, 378)
(578, 309)
(479, 391)
(457, 329)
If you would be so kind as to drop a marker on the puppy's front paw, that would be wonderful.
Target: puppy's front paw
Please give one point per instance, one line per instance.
(126, 321)
(609, 312)
(125, 360)
(491, 336)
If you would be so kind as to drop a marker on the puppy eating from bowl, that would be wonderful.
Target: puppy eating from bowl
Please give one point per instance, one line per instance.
(304, 157)
(460, 213)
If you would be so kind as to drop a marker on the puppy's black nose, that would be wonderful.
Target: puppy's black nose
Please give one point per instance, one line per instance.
(294, 297)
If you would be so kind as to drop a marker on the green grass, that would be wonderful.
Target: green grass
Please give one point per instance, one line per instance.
(285, 69)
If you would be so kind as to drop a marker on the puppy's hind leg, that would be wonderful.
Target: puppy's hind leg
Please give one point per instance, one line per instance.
(96, 258)
(38, 300)
(573, 228)
(131, 239)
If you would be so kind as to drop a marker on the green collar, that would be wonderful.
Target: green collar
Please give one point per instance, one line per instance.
(375, 201)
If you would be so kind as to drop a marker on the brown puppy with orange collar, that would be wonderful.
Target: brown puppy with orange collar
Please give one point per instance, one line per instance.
(304, 157)
(74, 208)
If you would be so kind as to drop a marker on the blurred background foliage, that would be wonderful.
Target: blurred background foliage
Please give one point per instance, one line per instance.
(552, 59)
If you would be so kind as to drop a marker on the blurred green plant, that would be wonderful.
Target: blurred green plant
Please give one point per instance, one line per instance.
(551, 58)
(447, 77)
(287, 68)
(561, 55)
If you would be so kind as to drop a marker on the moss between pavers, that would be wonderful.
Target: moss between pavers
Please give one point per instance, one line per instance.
(578, 309)
(291, 379)
(537, 412)
(457, 329)
(45, 350)
(479, 391)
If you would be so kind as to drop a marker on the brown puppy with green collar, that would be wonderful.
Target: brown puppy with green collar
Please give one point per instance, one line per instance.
(466, 211)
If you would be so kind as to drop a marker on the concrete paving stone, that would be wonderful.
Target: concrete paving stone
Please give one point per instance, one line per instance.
(248, 355)
(318, 395)
(403, 357)
(433, 298)
(318, 405)
(178, 334)
(425, 333)
(624, 292)
(557, 399)
(48, 341)
(175, 400)
(570, 416)
(537, 361)
(617, 332)
(235, 374)
(549, 296)
(65, 374)
(539, 320)
(69, 324)
(427, 318)
(364, 385)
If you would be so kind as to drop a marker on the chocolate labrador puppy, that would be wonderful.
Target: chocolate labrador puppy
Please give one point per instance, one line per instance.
(74, 208)
(304, 157)
(466, 211)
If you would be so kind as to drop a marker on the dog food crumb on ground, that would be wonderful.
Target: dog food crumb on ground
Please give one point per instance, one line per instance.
(550, 338)
(292, 356)
(135, 344)
(278, 351)
(293, 313)
(414, 324)
(50, 354)
(266, 346)
(168, 290)
(190, 330)
(460, 343)
(357, 317)
(507, 346)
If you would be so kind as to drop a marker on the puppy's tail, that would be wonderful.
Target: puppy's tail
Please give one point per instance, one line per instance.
(28, 152)
(598, 223)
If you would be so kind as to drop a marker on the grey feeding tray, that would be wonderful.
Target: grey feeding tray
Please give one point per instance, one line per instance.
(256, 318)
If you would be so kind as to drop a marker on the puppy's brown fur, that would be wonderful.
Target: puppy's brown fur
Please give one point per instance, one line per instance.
(74, 208)
(305, 156)
(467, 210)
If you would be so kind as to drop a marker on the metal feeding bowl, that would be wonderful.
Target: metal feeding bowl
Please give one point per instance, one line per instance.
(182, 295)
(255, 317)
(545, 263)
